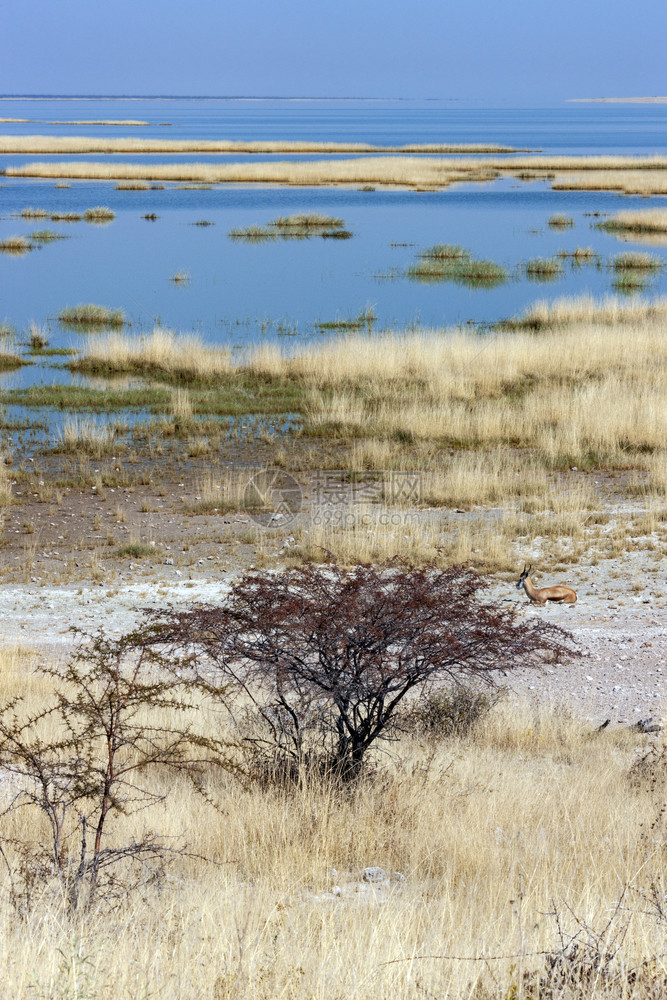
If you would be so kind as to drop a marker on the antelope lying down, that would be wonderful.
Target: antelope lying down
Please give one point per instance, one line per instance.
(540, 595)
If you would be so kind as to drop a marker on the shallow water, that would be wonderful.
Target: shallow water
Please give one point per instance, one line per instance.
(239, 294)
(570, 128)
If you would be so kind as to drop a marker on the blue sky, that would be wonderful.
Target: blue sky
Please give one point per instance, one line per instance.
(521, 51)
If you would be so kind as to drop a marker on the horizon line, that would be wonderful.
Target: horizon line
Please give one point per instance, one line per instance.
(208, 97)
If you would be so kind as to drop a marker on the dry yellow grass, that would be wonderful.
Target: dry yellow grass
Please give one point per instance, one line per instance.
(5, 484)
(656, 466)
(224, 490)
(181, 404)
(584, 309)
(573, 393)
(158, 352)
(85, 435)
(602, 418)
(530, 816)
(482, 420)
(651, 220)
(100, 121)
(419, 171)
(25, 144)
(647, 181)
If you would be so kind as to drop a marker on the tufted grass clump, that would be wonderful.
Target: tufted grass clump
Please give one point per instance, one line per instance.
(560, 222)
(653, 220)
(544, 268)
(578, 254)
(637, 261)
(252, 234)
(300, 226)
(99, 214)
(46, 236)
(445, 251)
(89, 315)
(9, 360)
(309, 220)
(65, 217)
(136, 550)
(17, 245)
(630, 282)
(33, 213)
(85, 436)
(38, 339)
(366, 318)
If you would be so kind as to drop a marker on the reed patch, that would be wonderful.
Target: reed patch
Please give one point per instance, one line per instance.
(300, 226)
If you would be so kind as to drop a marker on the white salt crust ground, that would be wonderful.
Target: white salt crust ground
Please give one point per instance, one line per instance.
(623, 634)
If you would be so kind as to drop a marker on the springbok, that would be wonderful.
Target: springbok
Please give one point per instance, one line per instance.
(540, 595)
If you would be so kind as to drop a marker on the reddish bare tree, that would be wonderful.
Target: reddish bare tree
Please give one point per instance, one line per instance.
(327, 655)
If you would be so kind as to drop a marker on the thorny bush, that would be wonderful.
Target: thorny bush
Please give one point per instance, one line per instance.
(117, 713)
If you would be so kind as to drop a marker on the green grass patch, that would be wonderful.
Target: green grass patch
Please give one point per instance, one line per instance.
(80, 397)
(630, 282)
(52, 352)
(365, 319)
(462, 270)
(238, 394)
(91, 316)
(136, 550)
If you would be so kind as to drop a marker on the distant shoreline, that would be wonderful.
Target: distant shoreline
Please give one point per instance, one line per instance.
(194, 97)
(617, 100)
